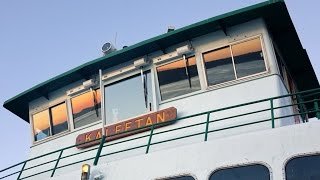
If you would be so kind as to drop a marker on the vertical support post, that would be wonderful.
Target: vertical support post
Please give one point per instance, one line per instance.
(24, 164)
(150, 137)
(272, 112)
(302, 108)
(56, 165)
(96, 159)
(207, 127)
(316, 107)
(103, 112)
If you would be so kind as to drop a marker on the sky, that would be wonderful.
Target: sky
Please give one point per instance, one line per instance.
(41, 39)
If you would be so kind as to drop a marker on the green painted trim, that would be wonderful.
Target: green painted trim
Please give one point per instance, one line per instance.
(149, 140)
(56, 165)
(207, 127)
(96, 159)
(272, 112)
(316, 107)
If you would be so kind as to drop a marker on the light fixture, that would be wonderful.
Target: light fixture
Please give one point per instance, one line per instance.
(85, 172)
(136, 65)
(85, 85)
(183, 50)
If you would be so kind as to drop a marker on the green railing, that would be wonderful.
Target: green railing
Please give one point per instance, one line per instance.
(306, 101)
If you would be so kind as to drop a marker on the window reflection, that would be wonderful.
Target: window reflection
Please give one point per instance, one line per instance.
(303, 168)
(248, 58)
(126, 98)
(59, 118)
(219, 67)
(86, 108)
(235, 61)
(178, 78)
(250, 172)
(41, 125)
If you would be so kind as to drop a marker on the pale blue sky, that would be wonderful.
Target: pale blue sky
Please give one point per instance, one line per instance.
(41, 39)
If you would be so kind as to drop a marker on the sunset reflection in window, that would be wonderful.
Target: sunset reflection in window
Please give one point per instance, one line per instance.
(178, 78)
(234, 61)
(86, 108)
(41, 125)
(59, 118)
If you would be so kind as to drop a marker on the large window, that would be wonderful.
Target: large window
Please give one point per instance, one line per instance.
(50, 121)
(178, 78)
(86, 108)
(307, 167)
(128, 98)
(234, 61)
(249, 172)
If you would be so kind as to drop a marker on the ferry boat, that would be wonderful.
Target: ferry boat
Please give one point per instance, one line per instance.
(230, 97)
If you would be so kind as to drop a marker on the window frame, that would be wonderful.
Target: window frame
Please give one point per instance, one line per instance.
(156, 78)
(51, 136)
(236, 80)
(317, 153)
(127, 75)
(243, 165)
(71, 111)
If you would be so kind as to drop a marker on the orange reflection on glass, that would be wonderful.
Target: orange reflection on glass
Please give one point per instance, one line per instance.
(177, 64)
(219, 54)
(82, 103)
(59, 118)
(41, 126)
(247, 47)
(98, 96)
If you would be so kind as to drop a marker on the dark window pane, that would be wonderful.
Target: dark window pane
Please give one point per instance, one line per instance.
(180, 178)
(126, 99)
(303, 168)
(86, 108)
(41, 125)
(178, 78)
(248, 58)
(250, 172)
(59, 118)
(219, 66)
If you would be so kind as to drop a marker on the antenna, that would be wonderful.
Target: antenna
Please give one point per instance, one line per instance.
(115, 40)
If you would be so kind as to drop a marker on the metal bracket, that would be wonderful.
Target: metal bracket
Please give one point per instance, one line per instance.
(223, 27)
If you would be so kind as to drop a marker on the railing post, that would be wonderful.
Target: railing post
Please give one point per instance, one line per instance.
(207, 127)
(272, 112)
(316, 107)
(24, 164)
(150, 137)
(56, 165)
(302, 108)
(96, 159)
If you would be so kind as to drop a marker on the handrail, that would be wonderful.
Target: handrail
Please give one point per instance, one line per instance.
(300, 103)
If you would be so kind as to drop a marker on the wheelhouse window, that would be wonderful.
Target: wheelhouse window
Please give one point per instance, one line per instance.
(86, 108)
(50, 122)
(59, 118)
(219, 66)
(306, 167)
(249, 172)
(234, 62)
(41, 125)
(128, 98)
(178, 78)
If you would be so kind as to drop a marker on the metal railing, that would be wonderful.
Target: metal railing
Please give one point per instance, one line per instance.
(310, 99)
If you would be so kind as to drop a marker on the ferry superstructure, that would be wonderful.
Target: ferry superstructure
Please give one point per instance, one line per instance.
(229, 97)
